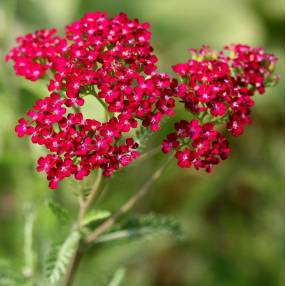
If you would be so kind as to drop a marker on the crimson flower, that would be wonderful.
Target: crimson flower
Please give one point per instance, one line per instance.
(112, 60)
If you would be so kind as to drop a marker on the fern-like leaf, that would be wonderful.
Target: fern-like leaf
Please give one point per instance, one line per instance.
(60, 212)
(144, 226)
(60, 256)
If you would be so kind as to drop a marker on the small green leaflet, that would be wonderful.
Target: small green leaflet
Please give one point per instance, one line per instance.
(95, 215)
(60, 212)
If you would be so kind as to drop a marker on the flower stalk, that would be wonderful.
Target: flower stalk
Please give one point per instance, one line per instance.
(108, 223)
(86, 203)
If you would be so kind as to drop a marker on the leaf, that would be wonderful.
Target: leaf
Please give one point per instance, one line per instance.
(144, 226)
(95, 215)
(117, 277)
(60, 212)
(60, 256)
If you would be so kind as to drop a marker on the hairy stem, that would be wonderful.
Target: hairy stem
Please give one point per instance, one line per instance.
(69, 277)
(127, 206)
(85, 204)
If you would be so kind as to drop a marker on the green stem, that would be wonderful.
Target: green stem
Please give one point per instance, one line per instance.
(83, 208)
(69, 277)
(85, 204)
(105, 226)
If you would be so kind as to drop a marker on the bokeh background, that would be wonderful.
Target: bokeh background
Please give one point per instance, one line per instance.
(233, 219)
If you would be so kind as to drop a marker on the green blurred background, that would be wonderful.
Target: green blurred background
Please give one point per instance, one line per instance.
(233, 218)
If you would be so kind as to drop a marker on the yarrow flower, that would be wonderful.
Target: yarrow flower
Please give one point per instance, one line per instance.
(196, 145)
(112, 59)
(35, 53)
(217, 89)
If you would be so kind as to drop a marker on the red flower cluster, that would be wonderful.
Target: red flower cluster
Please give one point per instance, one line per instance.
(219, 86)
(208, 146)
(78, 145)
(112, 60)
(35, 53)
(253, 67)
(217, 89)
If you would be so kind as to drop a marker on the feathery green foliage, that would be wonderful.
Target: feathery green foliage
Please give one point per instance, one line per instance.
(144, 226)
(59, 211)
(59, 257)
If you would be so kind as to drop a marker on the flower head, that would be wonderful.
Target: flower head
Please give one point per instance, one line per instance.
(112, 60)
